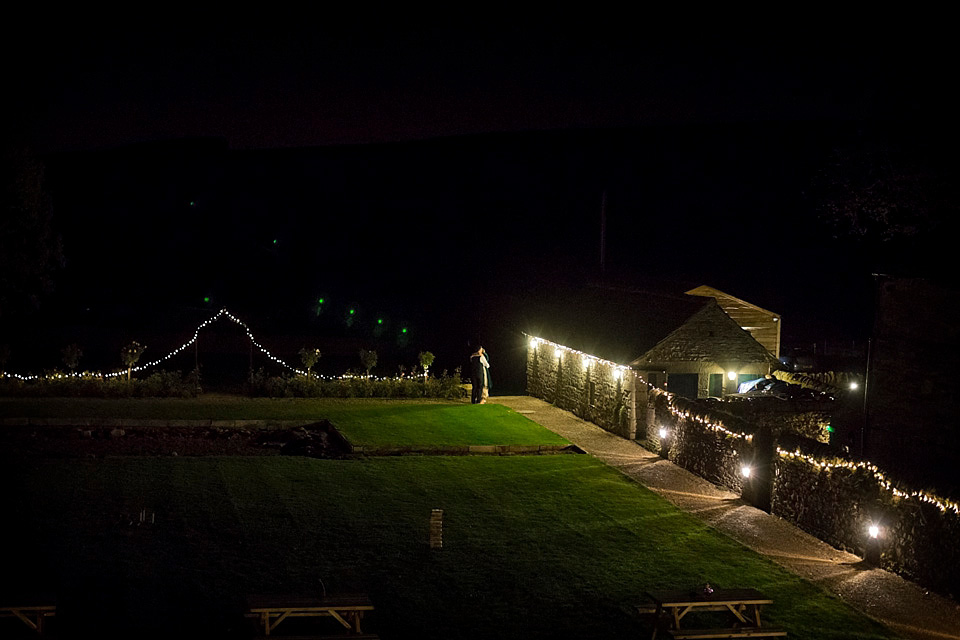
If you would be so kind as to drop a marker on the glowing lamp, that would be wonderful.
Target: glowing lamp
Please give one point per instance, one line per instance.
(853, 385)
(618, 373)
(874, 531)
(731, 375)
(663, 433)
(534, 343)
(558, 352)
(745, 471)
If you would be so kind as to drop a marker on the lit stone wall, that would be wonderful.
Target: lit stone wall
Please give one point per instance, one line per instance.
(838, 504)
(596, 390)
(802, 418)
(717, 455)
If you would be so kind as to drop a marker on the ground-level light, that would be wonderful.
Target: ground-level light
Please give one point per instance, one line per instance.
(874, 531)
(663, 433)
(745, 471)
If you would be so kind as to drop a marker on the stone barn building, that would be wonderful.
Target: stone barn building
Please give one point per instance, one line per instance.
(685, 343)
(591, 351)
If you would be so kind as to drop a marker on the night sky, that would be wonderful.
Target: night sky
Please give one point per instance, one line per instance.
(428, 175)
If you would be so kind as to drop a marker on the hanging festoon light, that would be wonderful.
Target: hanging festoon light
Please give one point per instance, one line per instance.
(188, 343)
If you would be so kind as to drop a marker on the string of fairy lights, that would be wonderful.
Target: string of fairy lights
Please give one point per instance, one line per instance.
(881, 479)
(619, 371)
(185, 345)
(560, 351)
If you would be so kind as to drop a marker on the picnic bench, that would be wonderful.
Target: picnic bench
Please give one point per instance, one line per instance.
(744, 605)
(347, 609)
(31, 615)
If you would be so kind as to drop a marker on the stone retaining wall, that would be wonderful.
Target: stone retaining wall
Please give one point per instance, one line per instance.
(917, 539)
(838, 504)
(588, 387)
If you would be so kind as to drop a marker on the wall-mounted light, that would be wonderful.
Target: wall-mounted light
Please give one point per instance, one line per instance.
(731, 375)
(558, 352)
(534, 343)
(617, 373)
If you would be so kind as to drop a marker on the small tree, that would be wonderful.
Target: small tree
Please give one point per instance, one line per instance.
(368, 359)
(130, 354)
(426, 359)
(71, 356)
(309, 358)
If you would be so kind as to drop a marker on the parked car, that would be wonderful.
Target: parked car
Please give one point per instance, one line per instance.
(771, 387)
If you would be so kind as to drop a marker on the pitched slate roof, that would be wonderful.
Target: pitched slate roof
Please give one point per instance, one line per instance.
(617, 324)
(710, 335)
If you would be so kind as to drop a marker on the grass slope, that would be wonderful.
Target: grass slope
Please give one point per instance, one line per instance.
(534, 547)
(364, 421)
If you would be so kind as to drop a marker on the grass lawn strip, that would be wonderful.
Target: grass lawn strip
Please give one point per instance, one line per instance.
(534, 547)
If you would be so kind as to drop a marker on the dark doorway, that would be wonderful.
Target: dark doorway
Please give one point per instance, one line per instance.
(683, 384)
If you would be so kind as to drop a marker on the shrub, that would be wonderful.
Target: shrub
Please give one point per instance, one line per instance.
(446, 386)
(161, 384)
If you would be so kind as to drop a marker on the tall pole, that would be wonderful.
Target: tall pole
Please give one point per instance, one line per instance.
(603, 232)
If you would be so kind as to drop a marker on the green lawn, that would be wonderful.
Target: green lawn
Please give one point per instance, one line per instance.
(371, 423)
(534, 546)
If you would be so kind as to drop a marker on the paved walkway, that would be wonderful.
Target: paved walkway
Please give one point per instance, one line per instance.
(899, 604)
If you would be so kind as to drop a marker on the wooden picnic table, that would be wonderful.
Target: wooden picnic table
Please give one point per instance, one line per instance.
(347, 609)
(31, 615)
(743, 605)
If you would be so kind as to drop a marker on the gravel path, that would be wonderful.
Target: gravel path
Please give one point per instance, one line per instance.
(901, 605)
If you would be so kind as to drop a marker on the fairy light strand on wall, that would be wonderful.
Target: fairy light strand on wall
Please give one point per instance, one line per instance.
(590, 360)
(882, 479)
(619, 371)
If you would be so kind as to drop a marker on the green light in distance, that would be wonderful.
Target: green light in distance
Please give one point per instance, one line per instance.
(404, 330)
(379, 320)
(352, 311)
(320, 301)
(206, 298)
(274, 241)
